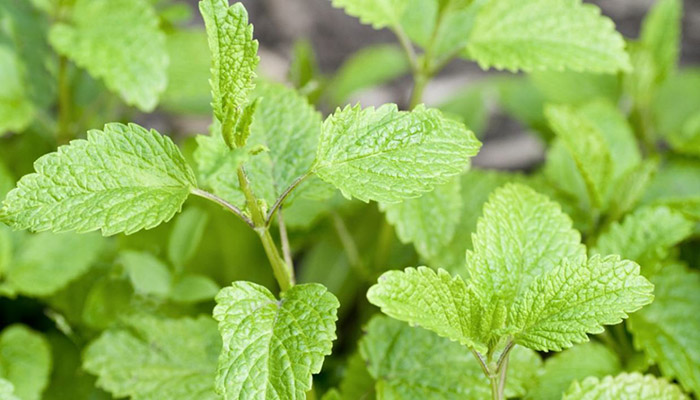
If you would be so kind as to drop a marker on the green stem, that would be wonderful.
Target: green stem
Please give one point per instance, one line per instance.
(284, 274)
(420, 81)
(64, 102)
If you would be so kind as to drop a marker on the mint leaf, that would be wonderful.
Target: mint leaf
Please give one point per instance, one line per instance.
(153, 358)
(629, 188)
(148, 275)
(186, 236)
(122, 179)
(409, 363)
(25, 361)
(272, 347)
(667, 330)
(661, 32)
(389, 155)
(561, 306)
(645, 236)
(46, 263)
(520, 236)
(587, 146)
(193, 288)
(188, 89)
(120, 42)
(627, 386)
(234, 55)
(357, 383)
(428, 221)
(546, 34)
(378, 13)
(576, 363)
(371, 66)
(575, 88)
(436, 301)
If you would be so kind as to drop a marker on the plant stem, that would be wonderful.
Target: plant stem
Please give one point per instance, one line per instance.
(226, 204)
(407, 47)
(284, 238)
(349, 245)
(64, 102)
(283, 196)
(282, 271)
(420, 81)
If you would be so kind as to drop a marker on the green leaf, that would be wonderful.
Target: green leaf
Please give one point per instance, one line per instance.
(570, 87)
(148, 275)
(186, 236)
(357, 383)
(630, 188)
(546, 34)
(661, 32)
(122, 179)
(120, 42)
(107, 302)
(677, 100)
(470, 106)
(576, 363)
(25, 361)
(409, 363)
(667, 330)
(188, 73)
(154, 358)
(436, 301)
(193, 288)
(564, 304)
(389, 155)
(234, 55)
(587, 146)
(46, 263)
(676, 185)
(378, 13)
(272, 347)
(371, 66)
(520, 236)
(645, 236)
(428, 221)
(625, 386)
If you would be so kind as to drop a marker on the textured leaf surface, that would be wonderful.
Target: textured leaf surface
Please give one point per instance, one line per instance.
(272, 347)
(120, 42)
(409, 363)
(576, 363)
(632, 386)
(645, 236)
(436, 301)
(587, 146)
(389, 155)
(561, 306)
(428, 221)
(25, 361)
(121, 179)
(546, 34)
(378, 13)
(156, 358)
(667, 330)
(520, 235)
(234, 54)
(47, 262)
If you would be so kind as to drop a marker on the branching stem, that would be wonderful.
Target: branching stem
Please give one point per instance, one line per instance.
(283, 197)
(225, 204)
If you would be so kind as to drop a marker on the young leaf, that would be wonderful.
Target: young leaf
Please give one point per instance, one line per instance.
(667, 330)
(409, 363)
(154, 358)
(272, 347)
(546, 34)
(148, 275)
(520, 236)
(122, 179)
(625, 386)
(436, 301)
(389, 155)
(378, 13)
(661, 32)
(193, 288)
(564, 304)
(576, 363)
(587, 146)
(428, 221)
(645, 236)
(25, 361)
(234, 55)
(46, 262)
(120, 42)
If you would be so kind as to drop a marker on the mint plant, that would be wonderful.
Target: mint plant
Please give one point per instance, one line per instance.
(398, 270)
